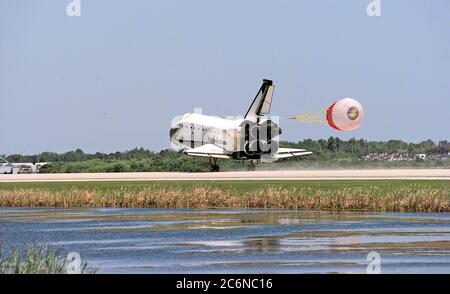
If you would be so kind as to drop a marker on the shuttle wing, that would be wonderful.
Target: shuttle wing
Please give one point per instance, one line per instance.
(290, 152)
(208, 150)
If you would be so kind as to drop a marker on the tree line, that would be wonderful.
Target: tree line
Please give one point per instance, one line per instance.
(326, 152)
(360, 147)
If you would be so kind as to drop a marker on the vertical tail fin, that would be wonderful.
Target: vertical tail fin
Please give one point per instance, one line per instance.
(261, 104)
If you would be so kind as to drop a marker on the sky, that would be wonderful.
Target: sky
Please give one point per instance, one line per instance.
(114, 77)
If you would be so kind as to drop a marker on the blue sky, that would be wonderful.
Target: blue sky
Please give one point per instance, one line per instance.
(114, 77)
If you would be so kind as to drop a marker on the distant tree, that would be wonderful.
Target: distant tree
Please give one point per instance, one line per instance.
(14, 158)
(99, 155)
(331, 144)
(443, 146)
(428, 144)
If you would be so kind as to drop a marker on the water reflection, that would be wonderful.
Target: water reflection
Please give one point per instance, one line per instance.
(235, 241)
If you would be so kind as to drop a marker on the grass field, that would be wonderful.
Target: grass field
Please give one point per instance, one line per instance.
(239, 186)
(340, 195)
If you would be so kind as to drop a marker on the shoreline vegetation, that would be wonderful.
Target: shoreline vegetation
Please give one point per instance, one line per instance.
(319, 195)
(37, 259)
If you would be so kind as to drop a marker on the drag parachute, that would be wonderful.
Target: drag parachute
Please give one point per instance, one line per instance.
(345, 114)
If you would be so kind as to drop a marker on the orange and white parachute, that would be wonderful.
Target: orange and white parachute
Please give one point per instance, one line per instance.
(344, 115)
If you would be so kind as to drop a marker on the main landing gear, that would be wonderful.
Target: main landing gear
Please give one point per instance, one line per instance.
(251, 165)
(214, 166)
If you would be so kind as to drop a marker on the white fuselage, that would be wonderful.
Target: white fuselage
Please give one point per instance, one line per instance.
(194, 130)
(235, 137)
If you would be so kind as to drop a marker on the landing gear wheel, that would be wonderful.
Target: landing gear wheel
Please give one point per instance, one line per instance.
(215, 168)
(251, 166)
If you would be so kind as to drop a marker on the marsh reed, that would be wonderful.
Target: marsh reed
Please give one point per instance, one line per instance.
(404, 198)
(36, 260)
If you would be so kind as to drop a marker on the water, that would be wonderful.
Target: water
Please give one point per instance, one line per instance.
(235, 241)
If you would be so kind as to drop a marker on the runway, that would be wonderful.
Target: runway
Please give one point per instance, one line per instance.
(415, 174)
